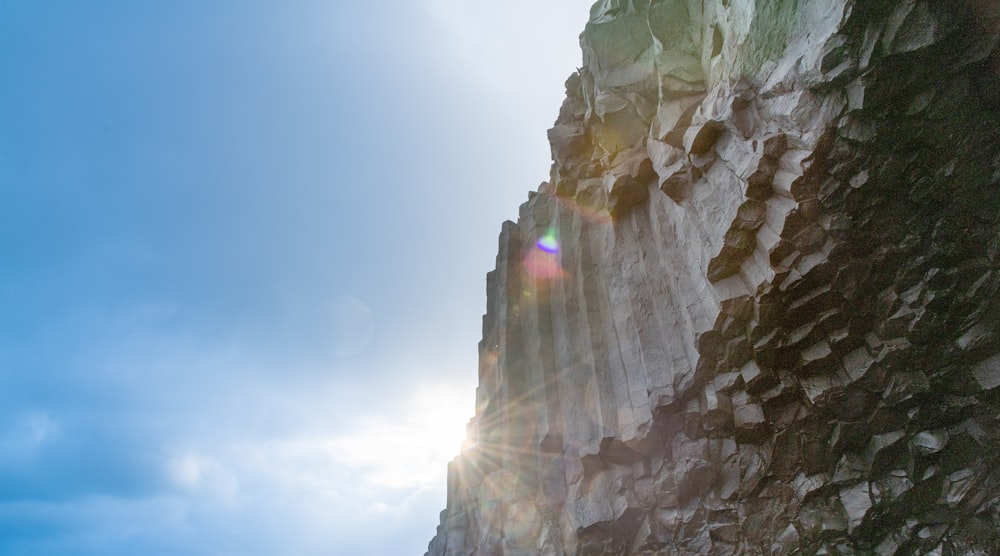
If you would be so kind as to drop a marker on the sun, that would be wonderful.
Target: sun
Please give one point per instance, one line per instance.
(440, 417)
(411, 446)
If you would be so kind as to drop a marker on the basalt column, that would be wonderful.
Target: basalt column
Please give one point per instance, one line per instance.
(755, 308)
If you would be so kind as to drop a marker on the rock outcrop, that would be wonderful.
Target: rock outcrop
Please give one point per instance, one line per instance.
(755, 310)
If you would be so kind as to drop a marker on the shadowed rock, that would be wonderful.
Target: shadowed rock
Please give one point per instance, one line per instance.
(771, 326)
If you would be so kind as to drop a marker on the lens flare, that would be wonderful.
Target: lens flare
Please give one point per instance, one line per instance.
(548, 242)
(543, 266)
(542, 262)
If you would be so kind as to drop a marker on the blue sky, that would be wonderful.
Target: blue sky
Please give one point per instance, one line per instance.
(243, 248)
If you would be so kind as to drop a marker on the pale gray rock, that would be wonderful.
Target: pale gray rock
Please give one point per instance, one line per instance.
(769, 322)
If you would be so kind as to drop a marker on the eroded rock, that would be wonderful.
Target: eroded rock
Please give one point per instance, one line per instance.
(770, 325)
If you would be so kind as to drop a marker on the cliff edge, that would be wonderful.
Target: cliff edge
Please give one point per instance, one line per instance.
(755, 309)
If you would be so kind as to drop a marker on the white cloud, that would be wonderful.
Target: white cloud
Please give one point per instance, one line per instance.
(186, 470)
(206, 480)
(376, 459)
(240, 447)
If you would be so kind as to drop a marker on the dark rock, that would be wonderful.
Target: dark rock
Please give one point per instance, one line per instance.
(699, 139)
(785, 340)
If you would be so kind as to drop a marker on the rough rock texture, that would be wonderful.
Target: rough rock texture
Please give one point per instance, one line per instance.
(755, 310)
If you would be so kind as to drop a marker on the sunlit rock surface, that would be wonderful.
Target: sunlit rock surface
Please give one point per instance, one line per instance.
(755, 308)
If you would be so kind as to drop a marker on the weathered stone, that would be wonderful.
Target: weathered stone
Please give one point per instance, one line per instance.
(770, 326)
(987, 373)
(857, 501)
(568, 141)
(700, 138)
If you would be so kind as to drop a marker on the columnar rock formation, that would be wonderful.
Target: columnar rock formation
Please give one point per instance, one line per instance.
(755, 310)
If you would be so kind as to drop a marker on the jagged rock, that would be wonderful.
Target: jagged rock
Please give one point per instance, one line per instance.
(699, 139)
(567, 141)
(769, 324)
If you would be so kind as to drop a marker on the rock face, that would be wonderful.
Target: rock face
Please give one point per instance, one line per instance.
(755, 310)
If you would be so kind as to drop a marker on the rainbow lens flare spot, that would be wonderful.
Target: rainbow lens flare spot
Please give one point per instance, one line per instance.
(548, 242)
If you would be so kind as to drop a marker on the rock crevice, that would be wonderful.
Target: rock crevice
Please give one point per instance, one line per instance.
(754, 310)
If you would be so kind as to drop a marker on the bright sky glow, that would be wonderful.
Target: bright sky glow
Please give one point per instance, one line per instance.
(242, 257)
(431, 434)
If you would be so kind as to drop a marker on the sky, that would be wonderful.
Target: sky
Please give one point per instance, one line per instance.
(243, 248)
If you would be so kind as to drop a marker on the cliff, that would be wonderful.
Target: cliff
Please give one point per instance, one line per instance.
(755, 309)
